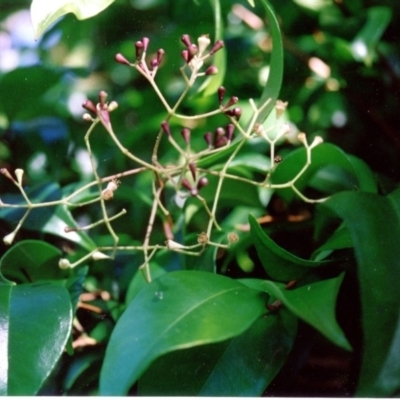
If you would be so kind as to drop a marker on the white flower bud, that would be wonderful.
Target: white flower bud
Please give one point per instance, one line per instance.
(112, 106)
(19, 174)
(203, 42)
(64, 263)
(98, 255)
(8, 239)
(317, 140)
(171, 245)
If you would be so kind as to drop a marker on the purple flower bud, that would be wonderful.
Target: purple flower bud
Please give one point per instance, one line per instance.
(121, 59)
(154, 63)
(237, 111)
(221, 94)
(186, 135)
(4, 171)
(207, 137)
(185, 55)
(165, 128)
(160, 55)
(230, 128)
(192, 49)
(221, 142)
(185, 183)
(139, 49)
(88, 105)
(219, 44)
(219, 133)
(145, 42)
(233, 100)
(202, 182)
(194, 192)
(186, 40)
(193, 170)
(212, 70)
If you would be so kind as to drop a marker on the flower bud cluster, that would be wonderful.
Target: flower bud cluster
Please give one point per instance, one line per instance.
(102, 109)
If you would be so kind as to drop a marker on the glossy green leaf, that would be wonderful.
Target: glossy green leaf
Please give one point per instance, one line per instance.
(32, 260)
(364, 44)
(36, 321)
(274, 82)
(358, 177)
(178, 310)
(51, 220)
(279, 264)
(314, 303)
(242, 366)
(45, 13)
(374, 225)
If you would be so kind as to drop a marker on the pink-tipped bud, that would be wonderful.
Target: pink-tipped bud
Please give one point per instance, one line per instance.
(165, 128)
(121, 59)
(233, 100)
(145, 42)
(192, 49)
(186, 40)
(139, 46)
(219, 44)
(160, 55)
(193, 170)
(208, 138)
(202, 182)
(194, 192)
(4, 171)
(185, 183)
(88, 105)
(154, 63)
(230, 128)
(237, 111)
(102, 98)
(185, 55)
(212, 70)
(186, 135)
(219, 132)
(221, 142)
(221, 94)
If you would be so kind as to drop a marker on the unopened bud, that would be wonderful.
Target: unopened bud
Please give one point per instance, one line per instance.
(302, 138)
(98, 255)
(165, 128)
(212, 70)
(203, 42)
(4, 171)
(193, 170)
(145, 42)
(280, 107)
(160, 55)
(208, 138)
(112, 106)
(8, 239)
(121, 59)
(202, 182)
(87, 117)
(139, 46)
(219, 44)
(185, 183)
(317, 140)
(186, 40)
(185, 55)
(19, 173)
(230, 128)
(186, 135)
(221, 94)
(233, 237)
(102, 98)
(88, 105)
(64, 263)
(233, 100)
(171, 245)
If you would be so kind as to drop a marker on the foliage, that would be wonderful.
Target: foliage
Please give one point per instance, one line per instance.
(182, 237)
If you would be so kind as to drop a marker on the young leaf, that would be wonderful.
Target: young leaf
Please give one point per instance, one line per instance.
(315, 304)
(273, 86)
(44, 13)
(178, 310)
(277, 262)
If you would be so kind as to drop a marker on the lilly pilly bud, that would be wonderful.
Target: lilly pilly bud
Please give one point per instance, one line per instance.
(139, 46)
(186, 135)
(211, 70)
(219, 44)
(186, 40)
(221, 94)
(121, 59)
(165, 128)
(108, 192)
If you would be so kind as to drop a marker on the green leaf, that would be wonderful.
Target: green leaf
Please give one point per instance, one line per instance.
(358, 176)
(51, 220)
(277, 262)
(242, 366)
(36, 321)
(44, 13)
(364, 44)
(32, 260)
(178, 310)
(273, 86)
(374, 225)
(315, 304)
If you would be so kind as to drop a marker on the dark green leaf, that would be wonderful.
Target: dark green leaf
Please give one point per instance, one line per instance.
(176, 311)
(374, 225)
(315, 304)
(277, 262)
(36, 323)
